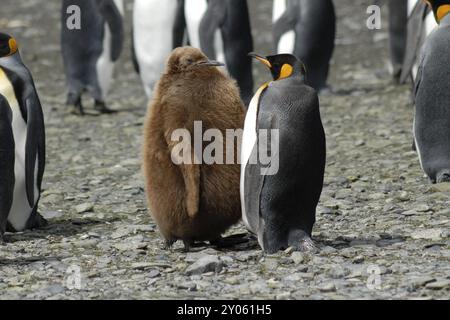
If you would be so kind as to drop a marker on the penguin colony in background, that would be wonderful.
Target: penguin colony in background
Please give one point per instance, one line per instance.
(220, 28)
(197, 202)
(22, 143)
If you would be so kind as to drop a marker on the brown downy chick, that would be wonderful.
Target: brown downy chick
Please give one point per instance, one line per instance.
(192, 202)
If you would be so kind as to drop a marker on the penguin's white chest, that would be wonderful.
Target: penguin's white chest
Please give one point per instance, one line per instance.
(20, 209)
(153, 22)
(249, 141)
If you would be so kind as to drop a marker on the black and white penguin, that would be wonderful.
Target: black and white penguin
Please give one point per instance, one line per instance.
(306, 29)
(279, 206)
(158, 28)
(432, 98)
(91, 48)
(421, 23)
(22, 143)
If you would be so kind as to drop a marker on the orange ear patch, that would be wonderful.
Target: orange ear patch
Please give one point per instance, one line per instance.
(442, 11)
(12, 46)
(286, 71)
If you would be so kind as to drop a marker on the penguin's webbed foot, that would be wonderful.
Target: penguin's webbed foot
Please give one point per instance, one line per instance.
(78, 109)
(302, 242)
(74, 100)
(102, 108)
(187, 245)
(443, 176)
(168, 243)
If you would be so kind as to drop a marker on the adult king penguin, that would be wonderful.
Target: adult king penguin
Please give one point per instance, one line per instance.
(280, 208)
(432, 98)
(90, 48)
(307, 29)
(22, 143)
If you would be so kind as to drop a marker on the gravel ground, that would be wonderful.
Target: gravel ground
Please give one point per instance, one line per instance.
(383, 229)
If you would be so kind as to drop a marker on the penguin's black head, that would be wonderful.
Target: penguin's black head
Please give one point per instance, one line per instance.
(282, 66)
(440, 8)
(8, 45)
(188, 59)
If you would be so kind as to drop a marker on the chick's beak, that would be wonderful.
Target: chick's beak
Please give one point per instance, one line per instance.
(211, 63)
(261, 59)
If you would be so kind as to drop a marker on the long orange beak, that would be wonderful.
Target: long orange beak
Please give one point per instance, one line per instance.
(261, 59)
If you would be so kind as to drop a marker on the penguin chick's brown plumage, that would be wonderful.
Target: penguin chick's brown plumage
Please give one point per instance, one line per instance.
(192, 202)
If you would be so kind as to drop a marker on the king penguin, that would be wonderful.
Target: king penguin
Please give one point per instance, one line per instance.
(90, 49)
(22, 143)
(279, 206)
(306, 29)
(432, 98)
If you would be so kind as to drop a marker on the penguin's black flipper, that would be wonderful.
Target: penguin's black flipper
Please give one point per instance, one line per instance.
(6, 163)
(213, 19)
(34, 147)
(286, 22)
(114, 19)
(413, 41)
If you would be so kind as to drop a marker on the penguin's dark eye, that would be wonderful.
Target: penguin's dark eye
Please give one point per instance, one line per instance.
(189, 61)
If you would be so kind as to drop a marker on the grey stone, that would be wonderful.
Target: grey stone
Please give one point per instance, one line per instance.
(205, 264)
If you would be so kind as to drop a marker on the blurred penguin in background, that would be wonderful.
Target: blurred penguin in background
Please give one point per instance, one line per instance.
(432, 98)
(222, 30)
(158, 28)
(307, 29)
(398, 20)
(92, 38)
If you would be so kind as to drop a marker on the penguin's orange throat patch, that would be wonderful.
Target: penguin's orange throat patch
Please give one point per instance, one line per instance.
(442, 11)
